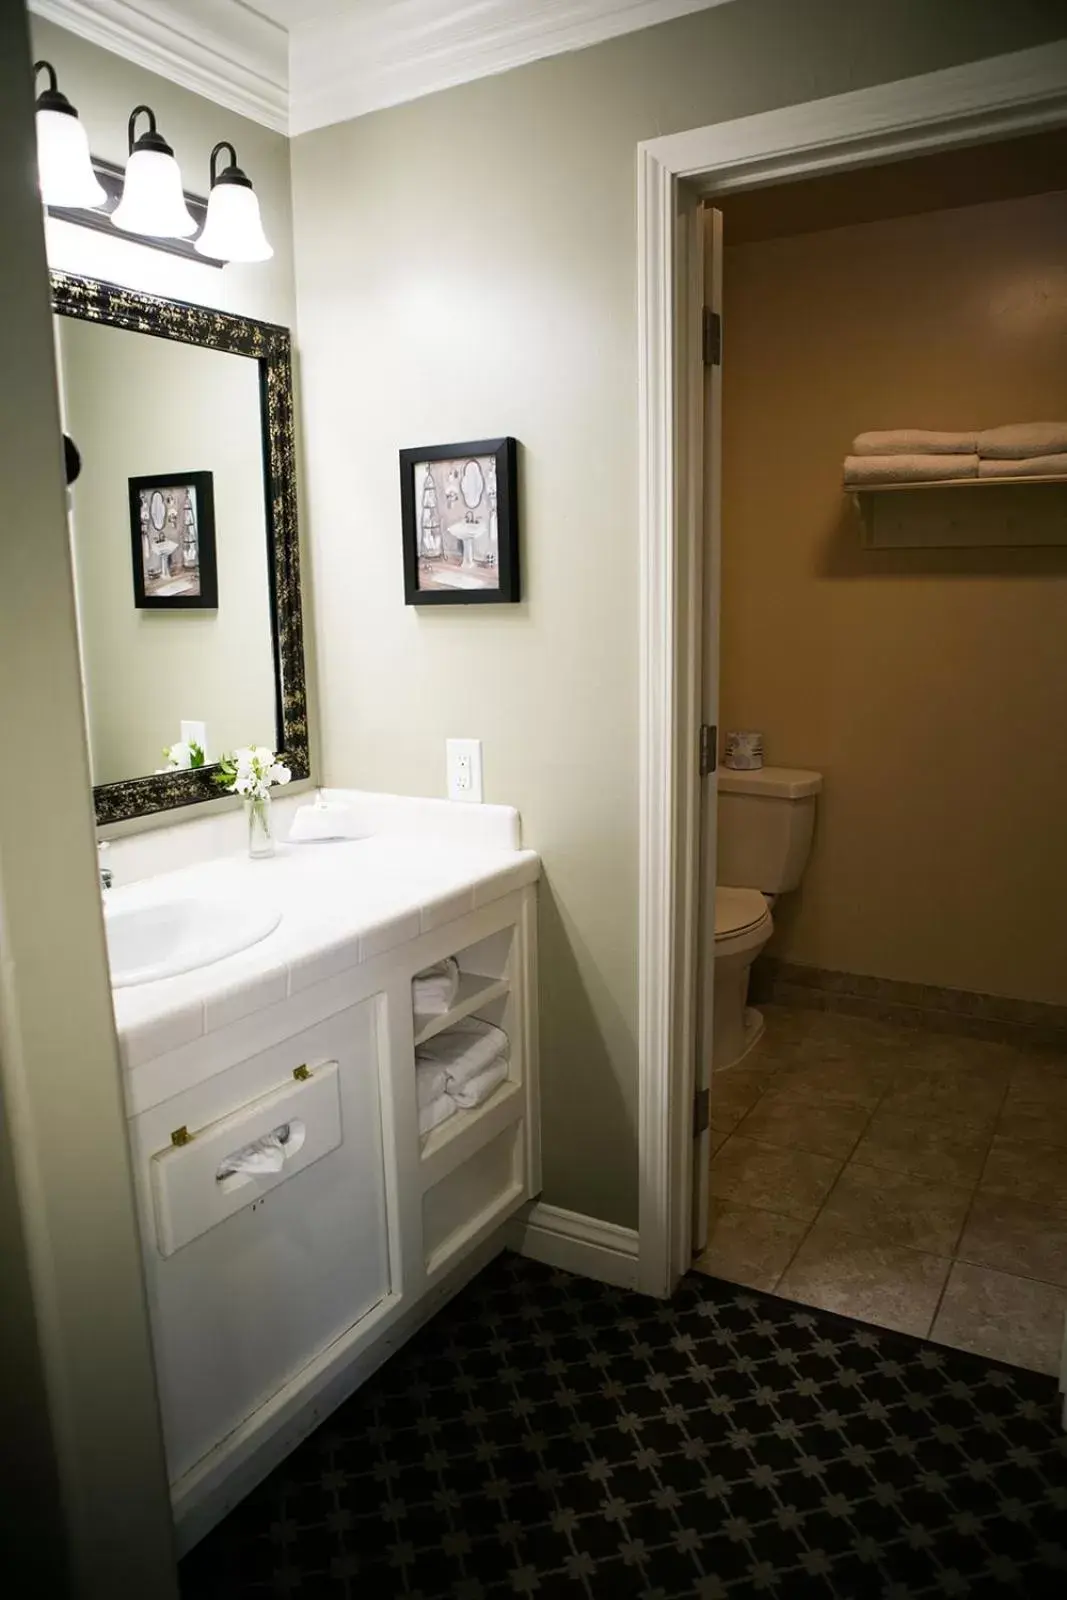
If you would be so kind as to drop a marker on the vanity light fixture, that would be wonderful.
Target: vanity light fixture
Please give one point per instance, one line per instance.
(234, 229)
(64, 166)
(153, 202)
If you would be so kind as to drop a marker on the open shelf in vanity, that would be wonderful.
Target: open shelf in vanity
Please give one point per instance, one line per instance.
(473, 1166)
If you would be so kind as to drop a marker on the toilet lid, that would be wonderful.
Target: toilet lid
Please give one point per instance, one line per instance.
(736, 910)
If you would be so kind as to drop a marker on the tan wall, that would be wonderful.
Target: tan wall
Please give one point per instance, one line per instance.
(928, 687)
(72, 1268)
(136, 405)
(417, 328)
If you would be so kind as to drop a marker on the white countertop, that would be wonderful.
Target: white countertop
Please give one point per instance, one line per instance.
(341, 904)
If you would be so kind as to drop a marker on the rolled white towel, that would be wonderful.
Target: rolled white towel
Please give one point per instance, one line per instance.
(475, 1090)
(430, 1083)
(464, 1050)
(913, 442)
(1025, 467)
(438, 1111)
(1018, 439)
(434, 991)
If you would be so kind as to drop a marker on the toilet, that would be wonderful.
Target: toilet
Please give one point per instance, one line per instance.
(766, 820)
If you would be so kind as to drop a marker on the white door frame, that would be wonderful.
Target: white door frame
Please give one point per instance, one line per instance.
(992, 99)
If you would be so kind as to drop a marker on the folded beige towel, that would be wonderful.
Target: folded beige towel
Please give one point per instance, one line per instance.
(1029, 467)
(867, 470)
(913, 442)
(1019, 439)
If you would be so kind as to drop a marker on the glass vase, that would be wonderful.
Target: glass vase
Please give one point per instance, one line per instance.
(260, 836)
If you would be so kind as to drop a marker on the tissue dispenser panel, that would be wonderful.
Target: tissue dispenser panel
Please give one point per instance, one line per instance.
(190, 1197)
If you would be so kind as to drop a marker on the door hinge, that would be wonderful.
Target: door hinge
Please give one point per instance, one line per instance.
(701, 1112)
(712, 338)
(709, 748)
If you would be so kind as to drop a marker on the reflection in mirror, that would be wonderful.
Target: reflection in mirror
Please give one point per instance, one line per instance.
(171, 454)
(184, 540)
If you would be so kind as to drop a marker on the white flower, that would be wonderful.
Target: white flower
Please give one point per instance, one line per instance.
(179, 756)
(255, 769)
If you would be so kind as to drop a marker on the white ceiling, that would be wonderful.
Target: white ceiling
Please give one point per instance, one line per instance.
(296, 65)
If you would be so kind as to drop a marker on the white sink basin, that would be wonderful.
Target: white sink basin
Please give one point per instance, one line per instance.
(159, 941)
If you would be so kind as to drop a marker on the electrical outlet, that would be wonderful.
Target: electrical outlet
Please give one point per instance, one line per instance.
(463, 759)
(195, 733)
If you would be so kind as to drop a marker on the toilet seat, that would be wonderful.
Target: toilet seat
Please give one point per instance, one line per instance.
(739, 911)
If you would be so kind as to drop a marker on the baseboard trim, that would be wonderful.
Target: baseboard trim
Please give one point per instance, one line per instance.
(919, 1005)
(576, 1243)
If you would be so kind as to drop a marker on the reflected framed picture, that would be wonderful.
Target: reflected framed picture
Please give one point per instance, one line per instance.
(172, 535)
(460, 518)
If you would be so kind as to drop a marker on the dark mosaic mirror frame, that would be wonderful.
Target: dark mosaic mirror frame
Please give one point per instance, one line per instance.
(269, 345)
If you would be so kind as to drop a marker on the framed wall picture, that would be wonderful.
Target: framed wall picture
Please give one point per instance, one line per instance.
(172, 534)
(460, 515)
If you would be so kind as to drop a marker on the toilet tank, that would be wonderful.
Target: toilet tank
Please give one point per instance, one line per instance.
(766, 819)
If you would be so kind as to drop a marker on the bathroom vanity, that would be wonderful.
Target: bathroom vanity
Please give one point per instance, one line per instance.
(273, 1295)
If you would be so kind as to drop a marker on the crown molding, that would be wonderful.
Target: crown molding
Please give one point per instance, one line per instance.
(196, 44)
(356, 59)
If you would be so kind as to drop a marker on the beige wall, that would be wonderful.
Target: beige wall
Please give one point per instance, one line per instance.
(75, 1325)
(929, 687)
(417, 328)
(136, 405)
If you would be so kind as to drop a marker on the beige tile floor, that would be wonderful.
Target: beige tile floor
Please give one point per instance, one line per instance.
(914, 1180)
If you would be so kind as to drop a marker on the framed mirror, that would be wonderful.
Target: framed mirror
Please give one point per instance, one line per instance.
(184, 540)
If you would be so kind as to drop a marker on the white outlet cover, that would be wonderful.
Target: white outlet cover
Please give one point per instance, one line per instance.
(195, 733)
(463, 761)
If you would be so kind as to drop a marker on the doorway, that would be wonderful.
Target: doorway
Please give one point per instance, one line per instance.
(999, 98)
(892, 1147)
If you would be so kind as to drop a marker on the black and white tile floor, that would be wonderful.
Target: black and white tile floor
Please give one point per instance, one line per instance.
(549, 1436)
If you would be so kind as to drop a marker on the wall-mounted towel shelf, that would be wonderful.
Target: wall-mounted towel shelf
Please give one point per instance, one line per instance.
(1011, 512)
(1019, 482)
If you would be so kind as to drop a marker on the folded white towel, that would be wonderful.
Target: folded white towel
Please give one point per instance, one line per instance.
(913, 442)
(1018, 439)
(871, 470)
(434, 991)
(438, 1111)
(325, 819)
(475, 1090)
(464, 1050)
(431, 1082)
(1025, 467)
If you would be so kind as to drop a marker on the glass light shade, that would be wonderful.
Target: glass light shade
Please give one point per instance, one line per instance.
(233, 230)
(64, 166)
(152, 200)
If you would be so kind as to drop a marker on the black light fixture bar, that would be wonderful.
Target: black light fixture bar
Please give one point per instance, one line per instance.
(111, 178)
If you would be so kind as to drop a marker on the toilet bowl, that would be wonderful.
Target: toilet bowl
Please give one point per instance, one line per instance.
(766, 819)
(743, 924)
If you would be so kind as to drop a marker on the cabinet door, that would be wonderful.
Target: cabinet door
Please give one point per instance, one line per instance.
(240, 1308)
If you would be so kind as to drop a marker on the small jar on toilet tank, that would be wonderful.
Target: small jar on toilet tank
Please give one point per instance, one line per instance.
(744, 751)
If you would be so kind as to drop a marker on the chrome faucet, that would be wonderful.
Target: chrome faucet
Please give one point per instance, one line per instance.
(107, 877)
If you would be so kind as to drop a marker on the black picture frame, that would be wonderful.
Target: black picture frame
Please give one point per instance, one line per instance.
(461, 583)
(269, 346)
(154, 485)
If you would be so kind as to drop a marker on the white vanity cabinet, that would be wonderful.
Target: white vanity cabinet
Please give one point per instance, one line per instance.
(272, 1295)
(267, 1270)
